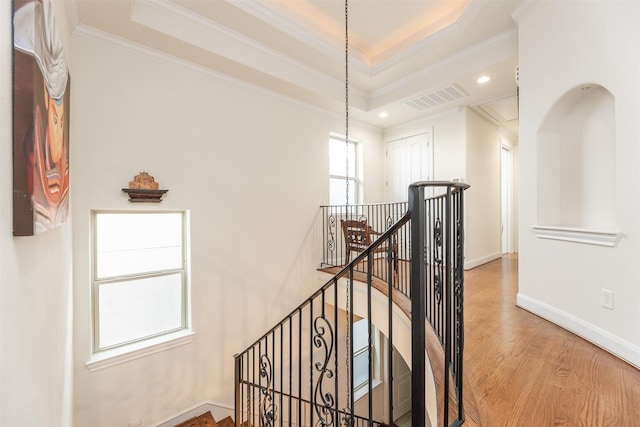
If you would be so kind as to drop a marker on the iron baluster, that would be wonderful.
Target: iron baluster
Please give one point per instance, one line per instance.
(437, 249)
(267, 405)
(324, 401)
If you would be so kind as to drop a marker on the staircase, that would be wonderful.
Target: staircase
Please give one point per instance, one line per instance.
(207, 420)
(300, 372)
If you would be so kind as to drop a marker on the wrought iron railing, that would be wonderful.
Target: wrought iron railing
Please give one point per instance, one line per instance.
(379, 217)
(296, 373)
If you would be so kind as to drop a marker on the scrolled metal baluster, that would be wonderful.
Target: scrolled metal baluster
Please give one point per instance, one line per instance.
(437, 287)
(459, 270)
(458, 287)
(437, 257)
(347, 418)
(268, 408)
(458, 306)
(331, 241)
(437, 240)
(323, 402)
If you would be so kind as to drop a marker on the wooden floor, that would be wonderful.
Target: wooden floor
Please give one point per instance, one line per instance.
(527, 372)
(207, 420)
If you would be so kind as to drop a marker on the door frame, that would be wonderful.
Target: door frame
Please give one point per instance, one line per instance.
(507, 198)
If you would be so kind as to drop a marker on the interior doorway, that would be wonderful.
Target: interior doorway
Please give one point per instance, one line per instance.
(507, 199)
(407, 160)
(401, 386)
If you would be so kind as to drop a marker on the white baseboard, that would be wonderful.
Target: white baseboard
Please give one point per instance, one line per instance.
(468, 265)
(592, 333)
(218, 410)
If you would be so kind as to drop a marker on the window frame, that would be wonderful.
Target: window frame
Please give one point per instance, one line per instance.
(156, 339)
(354, 176)
(371, 347)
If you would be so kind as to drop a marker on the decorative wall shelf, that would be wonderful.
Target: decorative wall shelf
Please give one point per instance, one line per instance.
(141, 195)
(577, 235)
(144, 189)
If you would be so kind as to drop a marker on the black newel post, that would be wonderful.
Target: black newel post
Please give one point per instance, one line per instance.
(418, 304)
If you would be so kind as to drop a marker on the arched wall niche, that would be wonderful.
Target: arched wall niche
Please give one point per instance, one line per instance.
(576, 167)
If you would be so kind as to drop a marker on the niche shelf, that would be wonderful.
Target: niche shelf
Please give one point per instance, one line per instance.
(576, 146)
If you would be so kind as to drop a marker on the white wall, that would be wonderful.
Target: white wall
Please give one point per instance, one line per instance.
(564, 45)
(483, 214)
(35, 287)
(253, 169)
(449, 138)
(511, 143)
(467, 147)
(372, 160)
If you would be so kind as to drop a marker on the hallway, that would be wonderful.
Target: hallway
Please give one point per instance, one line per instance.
(527, 372)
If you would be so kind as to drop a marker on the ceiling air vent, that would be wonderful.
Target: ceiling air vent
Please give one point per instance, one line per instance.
(436, 98)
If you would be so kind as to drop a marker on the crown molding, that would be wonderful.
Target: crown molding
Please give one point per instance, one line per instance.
(522, 11)
(180, 23)
(195, 30)
(437, 37)
(88, 32)
(359, 60)
(266, 15)
(73, 17)
(506, 37)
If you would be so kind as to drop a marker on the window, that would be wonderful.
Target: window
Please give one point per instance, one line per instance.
(338, 171)
(140, 276)
(361, 351)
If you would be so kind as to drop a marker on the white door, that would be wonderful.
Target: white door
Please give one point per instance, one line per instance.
(506, 184)
(401, 386)
(408, 160)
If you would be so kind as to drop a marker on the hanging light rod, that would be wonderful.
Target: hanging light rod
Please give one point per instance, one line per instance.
(347, 420)
(346, 97)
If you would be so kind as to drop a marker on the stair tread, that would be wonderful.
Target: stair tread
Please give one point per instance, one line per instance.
(204, 420)
(226, 422)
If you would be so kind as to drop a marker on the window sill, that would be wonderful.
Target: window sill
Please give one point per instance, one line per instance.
(363, 390)
(578, 235)
(108, 358)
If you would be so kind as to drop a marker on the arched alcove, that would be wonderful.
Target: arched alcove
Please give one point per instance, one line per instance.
(576, 167)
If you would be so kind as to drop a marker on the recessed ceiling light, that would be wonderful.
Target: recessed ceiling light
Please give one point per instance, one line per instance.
(383, 115)
(483, 79)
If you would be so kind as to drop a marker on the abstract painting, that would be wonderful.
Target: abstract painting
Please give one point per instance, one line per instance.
(41, 95)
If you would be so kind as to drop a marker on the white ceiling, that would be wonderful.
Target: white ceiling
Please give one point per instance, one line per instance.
(400, 50)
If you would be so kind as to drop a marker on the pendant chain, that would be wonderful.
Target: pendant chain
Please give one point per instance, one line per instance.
(346, 94)
(347, 421)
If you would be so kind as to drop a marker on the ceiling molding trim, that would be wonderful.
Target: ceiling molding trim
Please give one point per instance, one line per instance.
(184, 25)
(494, 100)
(509, 37)
(437, 37)
(71, 7)
(422, 122)
(255, 9)
(521, 11)
(498, 121)
(88, 32)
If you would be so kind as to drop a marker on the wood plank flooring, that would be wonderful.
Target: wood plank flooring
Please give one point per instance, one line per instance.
(525, 371)
(207, 420)
(204, 420)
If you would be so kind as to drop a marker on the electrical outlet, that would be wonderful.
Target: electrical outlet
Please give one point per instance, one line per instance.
(607, 299)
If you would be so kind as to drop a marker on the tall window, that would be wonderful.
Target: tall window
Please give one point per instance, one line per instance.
(361, 348)
(139, 276)
(338, 171)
